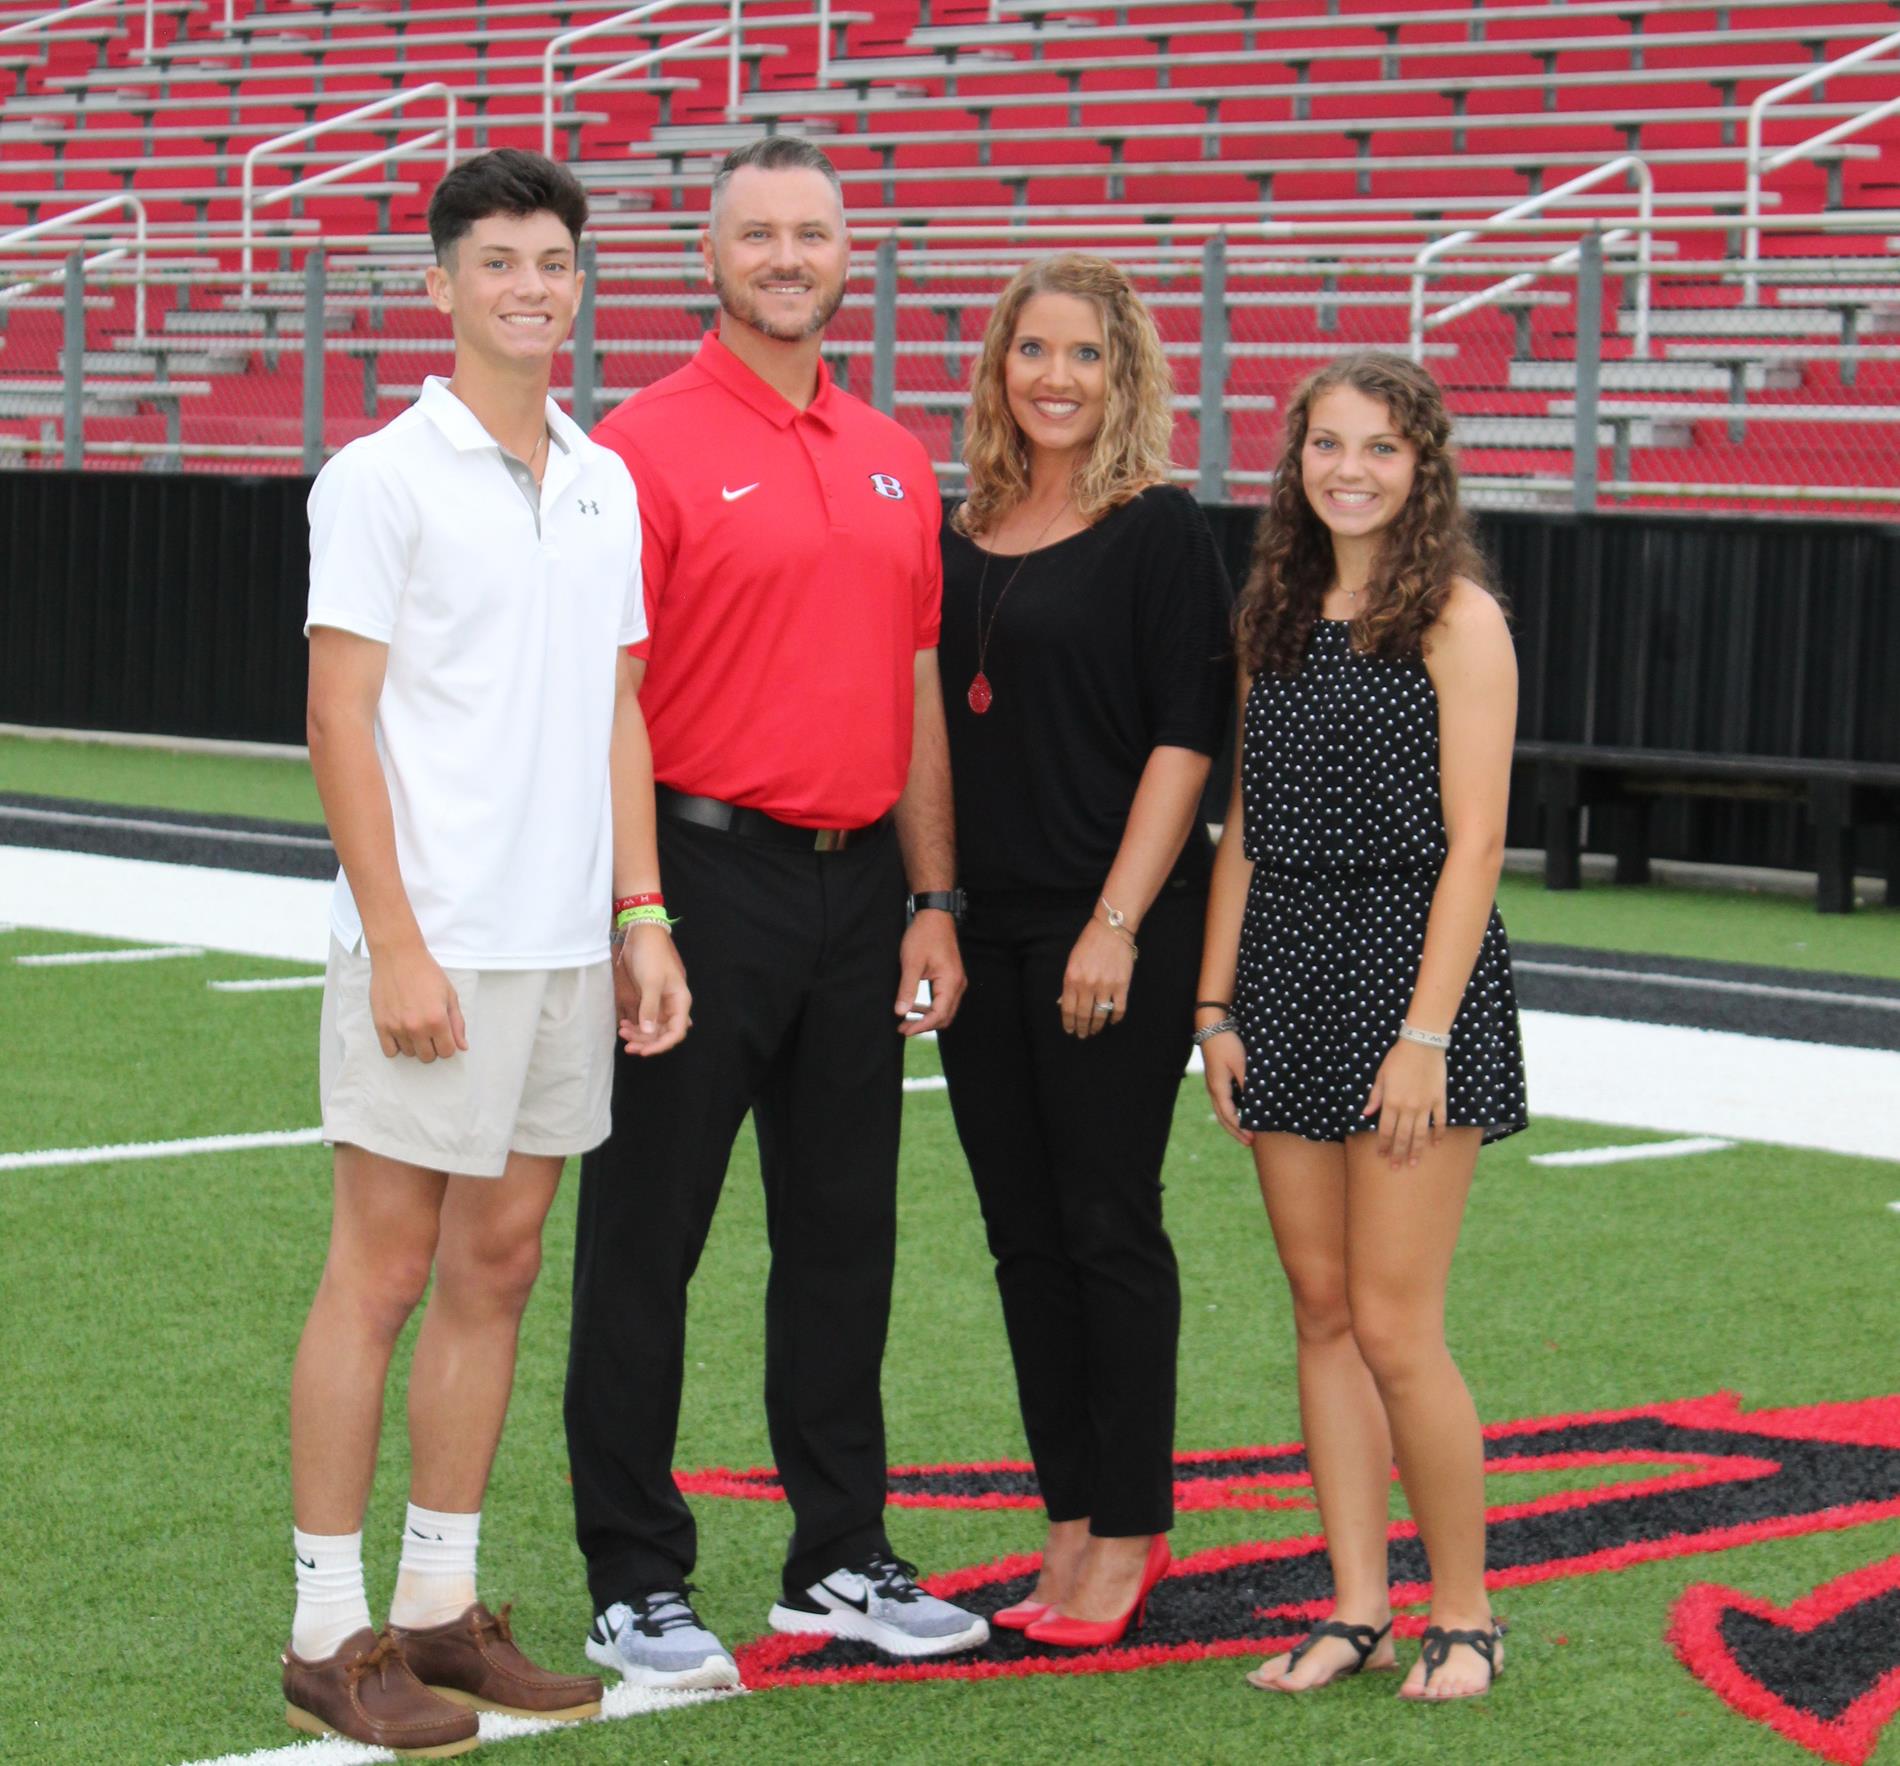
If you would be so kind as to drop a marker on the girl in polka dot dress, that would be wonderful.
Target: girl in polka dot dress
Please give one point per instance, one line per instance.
(1358, 1022)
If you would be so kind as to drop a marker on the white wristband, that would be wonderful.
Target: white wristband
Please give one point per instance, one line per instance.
(1430, 1038)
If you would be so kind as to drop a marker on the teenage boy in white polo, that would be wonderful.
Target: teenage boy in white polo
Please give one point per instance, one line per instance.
(475, 736)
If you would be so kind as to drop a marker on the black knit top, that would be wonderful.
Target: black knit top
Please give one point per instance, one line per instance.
(1108, 645)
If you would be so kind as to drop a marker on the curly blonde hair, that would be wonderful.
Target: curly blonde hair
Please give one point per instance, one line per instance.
(1429, 543)
(1130, 450)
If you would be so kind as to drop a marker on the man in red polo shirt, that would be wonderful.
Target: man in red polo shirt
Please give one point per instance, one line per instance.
(792, 577)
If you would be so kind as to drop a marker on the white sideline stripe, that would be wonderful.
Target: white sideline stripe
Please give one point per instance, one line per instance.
(1714, 1082)
(273, 984)
(208, 1143)
(143, 953)
(1761, 989)
(1624, 1155)
(621, 1702)
(1894, 1207)
(927, 1082)
(1664, 1078)
(256, 916)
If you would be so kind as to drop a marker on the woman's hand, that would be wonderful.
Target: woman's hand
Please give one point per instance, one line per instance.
(1101, 970)
(1408, 1098)
(1224, 1064)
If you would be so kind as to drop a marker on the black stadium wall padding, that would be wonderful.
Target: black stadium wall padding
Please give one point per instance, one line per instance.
(172, 604)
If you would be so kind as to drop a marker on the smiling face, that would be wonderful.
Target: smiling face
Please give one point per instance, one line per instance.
(1055, 377)
(1355, 467)
(777, 252)
(510, 288)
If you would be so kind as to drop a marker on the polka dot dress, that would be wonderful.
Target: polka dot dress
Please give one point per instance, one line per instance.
(1343, 823)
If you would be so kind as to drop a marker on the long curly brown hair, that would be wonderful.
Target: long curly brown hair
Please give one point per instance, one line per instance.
(1130, 451)
(1429, 542)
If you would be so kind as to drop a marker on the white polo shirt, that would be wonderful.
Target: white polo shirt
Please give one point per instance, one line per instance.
(497, 708)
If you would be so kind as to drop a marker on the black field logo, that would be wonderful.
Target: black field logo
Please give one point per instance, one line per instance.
(1681, 1479)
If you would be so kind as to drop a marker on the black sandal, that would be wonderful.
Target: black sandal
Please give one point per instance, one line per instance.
(1437, 1647)
(1363, 1639)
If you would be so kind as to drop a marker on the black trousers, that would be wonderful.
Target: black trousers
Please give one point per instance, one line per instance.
(1065, 1139)
(793, 962)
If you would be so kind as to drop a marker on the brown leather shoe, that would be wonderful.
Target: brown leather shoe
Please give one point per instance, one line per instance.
(367, 1693)
(474, 1660)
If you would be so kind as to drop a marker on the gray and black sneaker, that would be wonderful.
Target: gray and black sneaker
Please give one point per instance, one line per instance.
(657, 1640)
(879, 1603)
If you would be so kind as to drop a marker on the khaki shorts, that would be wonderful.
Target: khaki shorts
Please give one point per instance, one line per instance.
(536, 1077)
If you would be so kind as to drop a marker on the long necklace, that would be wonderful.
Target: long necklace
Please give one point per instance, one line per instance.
(981, 695)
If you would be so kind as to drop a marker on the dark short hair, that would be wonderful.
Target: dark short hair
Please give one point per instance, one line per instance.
(507, 181)
(775, 153)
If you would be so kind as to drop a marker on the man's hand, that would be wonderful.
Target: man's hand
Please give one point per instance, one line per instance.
(413, 1005)
(650, 991)
(929, 953)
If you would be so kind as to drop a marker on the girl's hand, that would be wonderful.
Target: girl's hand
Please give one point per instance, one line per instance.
(1224, 1064)
(1408, 1098)
(1100, 972)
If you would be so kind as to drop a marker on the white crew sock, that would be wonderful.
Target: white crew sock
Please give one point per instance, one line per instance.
(435, 1581)
(331, 1604)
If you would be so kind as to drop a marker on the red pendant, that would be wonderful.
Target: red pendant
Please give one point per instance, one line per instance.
(980, 694)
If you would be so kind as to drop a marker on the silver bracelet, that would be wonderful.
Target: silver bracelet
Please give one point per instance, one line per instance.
(1208, 1032)
(1429, 1038)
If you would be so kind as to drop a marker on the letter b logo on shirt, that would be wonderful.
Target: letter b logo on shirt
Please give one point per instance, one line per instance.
(887, 486)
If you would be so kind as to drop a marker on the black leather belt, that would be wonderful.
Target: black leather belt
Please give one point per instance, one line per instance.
(755, 824)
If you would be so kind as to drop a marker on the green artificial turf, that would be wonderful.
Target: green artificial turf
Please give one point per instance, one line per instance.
(150, 1310)
(160, 778)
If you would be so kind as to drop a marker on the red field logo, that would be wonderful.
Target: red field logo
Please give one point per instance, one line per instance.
(1729, 1479)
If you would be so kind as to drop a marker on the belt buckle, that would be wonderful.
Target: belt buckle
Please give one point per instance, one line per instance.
(830, 839)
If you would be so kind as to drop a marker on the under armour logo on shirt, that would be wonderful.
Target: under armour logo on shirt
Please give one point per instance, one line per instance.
(588, 507)
(887, 486)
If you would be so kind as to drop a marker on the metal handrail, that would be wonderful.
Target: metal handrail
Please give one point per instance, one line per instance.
(1564, 260)
(731, 30)
(395, 150)
(41, 25)
(1756, 166)
(71, 217)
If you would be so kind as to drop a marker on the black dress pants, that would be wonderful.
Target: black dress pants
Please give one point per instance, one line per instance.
(792, 957)
(1065, 1139)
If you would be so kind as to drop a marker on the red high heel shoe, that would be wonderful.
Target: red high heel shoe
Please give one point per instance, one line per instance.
(1022, 1615)
(1067, 1633)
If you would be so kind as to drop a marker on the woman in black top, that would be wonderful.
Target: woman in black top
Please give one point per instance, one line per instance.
(1084, 661)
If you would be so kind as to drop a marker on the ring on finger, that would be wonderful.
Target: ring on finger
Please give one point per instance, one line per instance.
(1105, 1005)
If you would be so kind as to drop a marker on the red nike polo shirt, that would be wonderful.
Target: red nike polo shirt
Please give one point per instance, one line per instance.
(791, 573)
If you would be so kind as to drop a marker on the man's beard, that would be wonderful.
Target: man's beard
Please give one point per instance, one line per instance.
(741, 304)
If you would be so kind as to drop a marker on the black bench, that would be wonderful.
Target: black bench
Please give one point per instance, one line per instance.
(1840, 796)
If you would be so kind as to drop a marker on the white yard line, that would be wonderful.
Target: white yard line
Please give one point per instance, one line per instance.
(273, 984)
(1758, 989)
(927, 1082)
(1625, 1155)
(208, 1143)
(621, 1702)
(142, 953)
